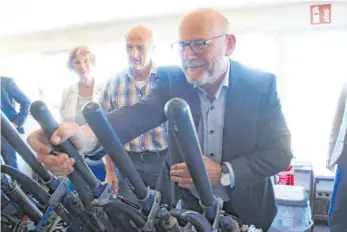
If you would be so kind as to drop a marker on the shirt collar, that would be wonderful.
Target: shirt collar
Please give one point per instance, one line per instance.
(225, 82)
(153, 68)
(152, 71)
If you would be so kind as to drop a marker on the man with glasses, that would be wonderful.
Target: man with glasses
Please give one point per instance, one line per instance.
(237, 113)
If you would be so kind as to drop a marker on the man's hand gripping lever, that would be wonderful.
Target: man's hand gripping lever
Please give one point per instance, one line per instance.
(151, 210)
(84, 181)
(181, 127)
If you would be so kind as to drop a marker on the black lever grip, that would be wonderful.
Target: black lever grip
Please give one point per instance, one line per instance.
(13, 138)
(181, 125)
(102, 129)
(40, 112)
(27, 184)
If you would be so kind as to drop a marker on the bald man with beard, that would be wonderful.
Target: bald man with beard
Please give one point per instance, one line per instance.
(237, 114)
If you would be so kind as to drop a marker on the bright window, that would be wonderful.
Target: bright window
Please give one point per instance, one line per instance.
(164, 55)
(110, 59)
(312, 72)
(25, 69)
(257, 51)
(55, 77)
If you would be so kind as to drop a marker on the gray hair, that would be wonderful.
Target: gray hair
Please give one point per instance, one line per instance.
(81, 50)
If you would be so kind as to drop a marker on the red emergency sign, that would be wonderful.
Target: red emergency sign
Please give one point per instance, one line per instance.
(320, 14)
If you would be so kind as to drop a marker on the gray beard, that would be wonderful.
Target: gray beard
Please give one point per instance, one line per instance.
(202, 81)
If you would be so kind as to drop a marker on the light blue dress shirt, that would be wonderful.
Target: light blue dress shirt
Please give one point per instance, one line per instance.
(210, 131)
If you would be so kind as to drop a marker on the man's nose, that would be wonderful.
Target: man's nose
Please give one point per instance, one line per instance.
(134, 52)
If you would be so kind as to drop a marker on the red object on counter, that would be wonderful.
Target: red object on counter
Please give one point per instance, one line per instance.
(286, 177)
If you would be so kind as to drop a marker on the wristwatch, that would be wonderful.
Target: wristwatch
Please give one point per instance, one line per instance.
(225, 179)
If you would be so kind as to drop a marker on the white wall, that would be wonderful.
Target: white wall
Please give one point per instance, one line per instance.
(293, 17)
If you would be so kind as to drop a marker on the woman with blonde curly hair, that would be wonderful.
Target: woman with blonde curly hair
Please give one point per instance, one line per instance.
(82, 62)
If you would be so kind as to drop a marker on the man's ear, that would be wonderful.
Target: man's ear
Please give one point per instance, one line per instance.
(230, 44)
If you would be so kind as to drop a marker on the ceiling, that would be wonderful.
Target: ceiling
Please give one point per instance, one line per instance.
(29, 16)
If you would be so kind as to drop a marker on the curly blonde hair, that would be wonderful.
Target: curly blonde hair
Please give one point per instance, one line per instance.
(83, 51)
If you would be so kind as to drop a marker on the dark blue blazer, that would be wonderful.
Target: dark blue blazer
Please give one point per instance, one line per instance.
(256, 139)
(10, 94)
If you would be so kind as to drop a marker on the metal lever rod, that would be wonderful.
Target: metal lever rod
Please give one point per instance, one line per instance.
(101, 127)
(182, 127)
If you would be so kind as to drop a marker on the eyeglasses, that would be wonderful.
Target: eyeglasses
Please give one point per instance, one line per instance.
(197, 46)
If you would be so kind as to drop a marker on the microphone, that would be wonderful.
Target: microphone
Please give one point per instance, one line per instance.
(14, 139)
(182, 127)
(103, 130)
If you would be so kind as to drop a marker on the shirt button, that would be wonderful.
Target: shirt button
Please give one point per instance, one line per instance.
(211, 131)
(211, 154)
